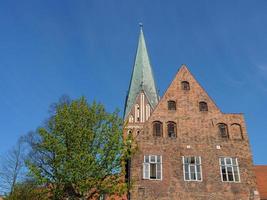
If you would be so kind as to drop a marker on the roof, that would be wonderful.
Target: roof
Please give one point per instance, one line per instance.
(142, 78)
(261, 177)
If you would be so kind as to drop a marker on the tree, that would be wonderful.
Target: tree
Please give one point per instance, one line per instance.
(12, 168)
(80, 152)
(28, 190)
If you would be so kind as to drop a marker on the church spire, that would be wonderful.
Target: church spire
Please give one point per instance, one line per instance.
(142, 77)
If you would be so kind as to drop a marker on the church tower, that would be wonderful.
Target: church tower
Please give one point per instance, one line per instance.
(188, 149)
(142, 96)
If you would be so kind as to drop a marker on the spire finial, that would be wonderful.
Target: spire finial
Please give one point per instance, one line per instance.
(141, 25)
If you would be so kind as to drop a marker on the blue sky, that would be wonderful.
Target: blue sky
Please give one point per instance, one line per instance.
(50, 48)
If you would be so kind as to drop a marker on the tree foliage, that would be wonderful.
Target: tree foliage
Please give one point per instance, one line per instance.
(80, 152)
(28, 190)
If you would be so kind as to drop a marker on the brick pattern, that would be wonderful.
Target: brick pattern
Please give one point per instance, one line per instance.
(261, 175)
(197, 135)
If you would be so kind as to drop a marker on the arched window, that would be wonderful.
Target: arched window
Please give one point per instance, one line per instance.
(236, 131)
(171, 105)
(185, 85)
(157, 128)
(171, 128)
(223, 130)
(131, 119)
(137, 113)
(203, 106)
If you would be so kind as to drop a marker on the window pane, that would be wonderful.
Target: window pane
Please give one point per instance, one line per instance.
(152, 159)
(146, 170)
(186, 160)
(198, 176)
(236, 174)
(186, 176)
(192, 173)
(193, 176)
(197, 160)
(153, 171)
(223, 170)
(198, 168)
(158, 171)
(224, 177)
(192, 160)
(228, 161)
(186, 168)
(222, 161)
(230, 174)
(158, 159)
(147, 159)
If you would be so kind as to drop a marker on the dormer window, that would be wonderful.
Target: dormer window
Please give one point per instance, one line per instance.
(157, 128)
(203, 106)
(223, 130)
(185, 85)
(171, 105)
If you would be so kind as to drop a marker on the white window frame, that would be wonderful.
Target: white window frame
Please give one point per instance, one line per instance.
(232, 165)
(195, 169)
(146, 166)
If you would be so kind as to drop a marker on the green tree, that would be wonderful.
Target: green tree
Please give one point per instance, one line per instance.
(80, 152)
(28, 190)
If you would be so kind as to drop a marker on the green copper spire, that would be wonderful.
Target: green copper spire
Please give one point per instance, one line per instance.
(142, 77)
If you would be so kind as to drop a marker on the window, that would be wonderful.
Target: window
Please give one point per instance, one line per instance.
(171, 127)
(171, 105)
(157, 128)
(137, 113)
(152, 167)
(229, 169)
(203, 106)
(192, 168)
(223, 130)
(131, 119)
(185, 85)
(236, 132)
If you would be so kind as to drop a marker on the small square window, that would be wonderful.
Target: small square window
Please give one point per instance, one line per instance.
(171, 105)
(185, 85)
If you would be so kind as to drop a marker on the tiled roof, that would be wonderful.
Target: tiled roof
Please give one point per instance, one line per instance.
(261, 176)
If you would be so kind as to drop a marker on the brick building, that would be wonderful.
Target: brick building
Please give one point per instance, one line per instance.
(187, 147)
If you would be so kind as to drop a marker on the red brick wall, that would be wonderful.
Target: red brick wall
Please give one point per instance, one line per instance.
(199, 131)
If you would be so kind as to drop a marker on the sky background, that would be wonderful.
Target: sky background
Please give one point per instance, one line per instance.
(86, 47)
